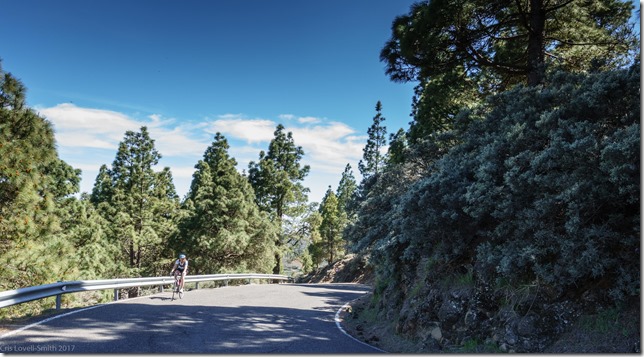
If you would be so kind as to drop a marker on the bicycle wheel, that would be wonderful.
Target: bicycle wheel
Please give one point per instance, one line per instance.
(175, 288)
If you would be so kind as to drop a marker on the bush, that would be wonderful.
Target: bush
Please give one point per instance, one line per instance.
(543, 187)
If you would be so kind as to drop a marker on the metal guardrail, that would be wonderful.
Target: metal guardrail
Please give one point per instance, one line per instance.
(22, 295)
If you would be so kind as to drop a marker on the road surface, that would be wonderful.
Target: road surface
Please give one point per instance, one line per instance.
(262, 318)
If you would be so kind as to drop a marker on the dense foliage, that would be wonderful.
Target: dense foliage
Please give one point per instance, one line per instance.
(133, 223)
(223, 229)
(544, 188)
(277, 180)
(460, 51)
(521, 167)
(139, 204)
(373, 158)
(45, 235)
(519, 174)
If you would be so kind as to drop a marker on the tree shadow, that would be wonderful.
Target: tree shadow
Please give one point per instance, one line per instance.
(152, 325)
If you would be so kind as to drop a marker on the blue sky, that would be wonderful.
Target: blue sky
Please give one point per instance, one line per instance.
(187, 69)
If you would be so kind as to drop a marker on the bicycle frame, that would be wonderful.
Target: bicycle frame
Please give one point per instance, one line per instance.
(176, 288)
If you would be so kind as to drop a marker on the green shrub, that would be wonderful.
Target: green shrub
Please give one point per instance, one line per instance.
(544, 186)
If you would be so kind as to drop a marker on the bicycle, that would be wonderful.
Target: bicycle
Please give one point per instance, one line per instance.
(176, 288)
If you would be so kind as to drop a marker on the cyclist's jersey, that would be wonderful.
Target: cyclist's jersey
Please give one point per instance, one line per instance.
(181, 266)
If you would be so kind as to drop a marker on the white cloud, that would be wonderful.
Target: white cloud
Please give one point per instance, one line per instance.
(328, 145)
(249, 130)
(286, 117)
(308, 120)
(104, 129)
(178, 141)
(87, 127)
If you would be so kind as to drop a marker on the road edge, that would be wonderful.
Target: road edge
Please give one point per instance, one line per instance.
(338, 323)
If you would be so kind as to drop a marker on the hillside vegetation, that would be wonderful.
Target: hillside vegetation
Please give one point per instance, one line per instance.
(609, 330)
(506, 217)
(510, 209)
(530, 221)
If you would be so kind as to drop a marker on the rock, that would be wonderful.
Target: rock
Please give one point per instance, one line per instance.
(527, 325)
(510, 337)
(471, 318)
(436, 333)
(449, 312)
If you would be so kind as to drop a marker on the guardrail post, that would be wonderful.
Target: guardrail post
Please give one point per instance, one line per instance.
(116, 294)
(197, 285)
(59, 299)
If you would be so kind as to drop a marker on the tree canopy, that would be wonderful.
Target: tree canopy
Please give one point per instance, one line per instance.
(223, 229)
(277, 181)
(139, 203)
(460, 51)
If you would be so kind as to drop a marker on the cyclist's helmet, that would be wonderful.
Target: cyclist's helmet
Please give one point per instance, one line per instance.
(182, 256)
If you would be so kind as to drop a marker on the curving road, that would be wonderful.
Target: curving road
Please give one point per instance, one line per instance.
(265, 318)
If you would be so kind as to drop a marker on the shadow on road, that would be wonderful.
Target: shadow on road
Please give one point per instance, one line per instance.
(157, 325)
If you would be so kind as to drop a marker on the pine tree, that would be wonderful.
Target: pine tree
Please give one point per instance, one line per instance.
(33, 184)
(86, 230)
(312, 255)
(347, 191)
(224, 230)
(276, 179)
(102, 190)
(331, 227)
(398, 148)
(373, 159)
(139, 203)
(315, 249)
(27, 147)
(458, 59)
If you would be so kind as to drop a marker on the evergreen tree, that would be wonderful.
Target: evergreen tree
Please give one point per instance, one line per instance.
(276, 179)
(103, 188)
(544, 189)
(27, 147)
(373, 158)
(513, 43)
(86, 230)
(139, 203)
(312, 255)
(34, 184)
(347, 191)
(224, 230)
(398, 148)
(461, 51)
(333, 223)
(166, 211)
(299, 231)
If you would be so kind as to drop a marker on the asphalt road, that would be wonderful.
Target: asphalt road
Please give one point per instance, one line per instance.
(262, 318)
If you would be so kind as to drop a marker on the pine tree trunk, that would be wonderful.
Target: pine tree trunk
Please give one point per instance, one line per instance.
(536, 43)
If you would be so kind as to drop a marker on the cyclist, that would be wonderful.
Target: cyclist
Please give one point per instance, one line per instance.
(180, 267)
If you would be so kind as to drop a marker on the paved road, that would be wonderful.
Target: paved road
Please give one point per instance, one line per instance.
(263, 318)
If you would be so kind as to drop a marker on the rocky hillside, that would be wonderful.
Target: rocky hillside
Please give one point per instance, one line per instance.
(468, 318)
(351, 269)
